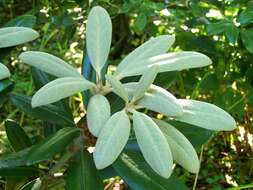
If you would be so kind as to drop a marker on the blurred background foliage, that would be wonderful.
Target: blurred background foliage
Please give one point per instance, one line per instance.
(221, 29)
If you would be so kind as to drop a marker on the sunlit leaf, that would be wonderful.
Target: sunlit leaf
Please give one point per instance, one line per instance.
(59, 89)
(98, 37)
(117, 87)
(49, 64)
(112, 139)
(205, 115)
(145, 82)
(154, 46)
(12, 36)
(168, 62)
(98, 113)
(157, 99)
(182, 150)
(153, 144)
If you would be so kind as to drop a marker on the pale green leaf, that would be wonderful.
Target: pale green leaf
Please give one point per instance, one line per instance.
(168, 62)
(153, 144)
(145, 82)
(98, 112)
(156, 99)
(12, 36)
(98, 37)
(205, 115)
(154, 46)
(112, 139)
(59, 89)
(117, 87)
(182, 150)
(4, 72)
(49, 64)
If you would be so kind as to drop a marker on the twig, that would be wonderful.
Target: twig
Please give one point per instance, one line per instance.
(197, 175)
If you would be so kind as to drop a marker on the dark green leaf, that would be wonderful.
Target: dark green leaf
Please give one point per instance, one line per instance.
(52, 145)
(82, 173)
(24, 20)
(5, 87)
(216, 28)
(17, 136)
(140, 22)
(19, 171)
(232, 33)
(247, 36)
(49, 113)
(132, 167)
(246, 17)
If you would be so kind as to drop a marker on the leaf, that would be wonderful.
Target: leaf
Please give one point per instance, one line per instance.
(245, 17)
(82, 173)
(112, 139)
(140, 22)
(153, 144)
(14, 183)
(145, 82)
(157, 99)
(59, 89)
(168, 62)
(49, 113)
(52, 145)
(98, 113)
(216, 28)
(49, 64)
(205, 115)
(17, 136)
(23, 20)
(98, 37)
(117, 87)
(247, 36)
(196, 135)
(13, 165)
(182, 150)
(12, 36)
(231, 32)
(153, 47)
(19, 172)
(4, 72)
(132, 167)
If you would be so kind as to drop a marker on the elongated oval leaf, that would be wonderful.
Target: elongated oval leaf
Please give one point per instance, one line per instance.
(49, 113)
(52, 145)
(49, 64)
(98, 37)
(82, 173)
(169, 62)
(17, 136)
(112, 139)
(12, 36)
(153, 144)
(182, 150)
(4, 72)
(145, 82)
(154, 46)
(246, 36)
(157, 99)
(205, 115)
(98, 113)
(117, 87)
(59, 89)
